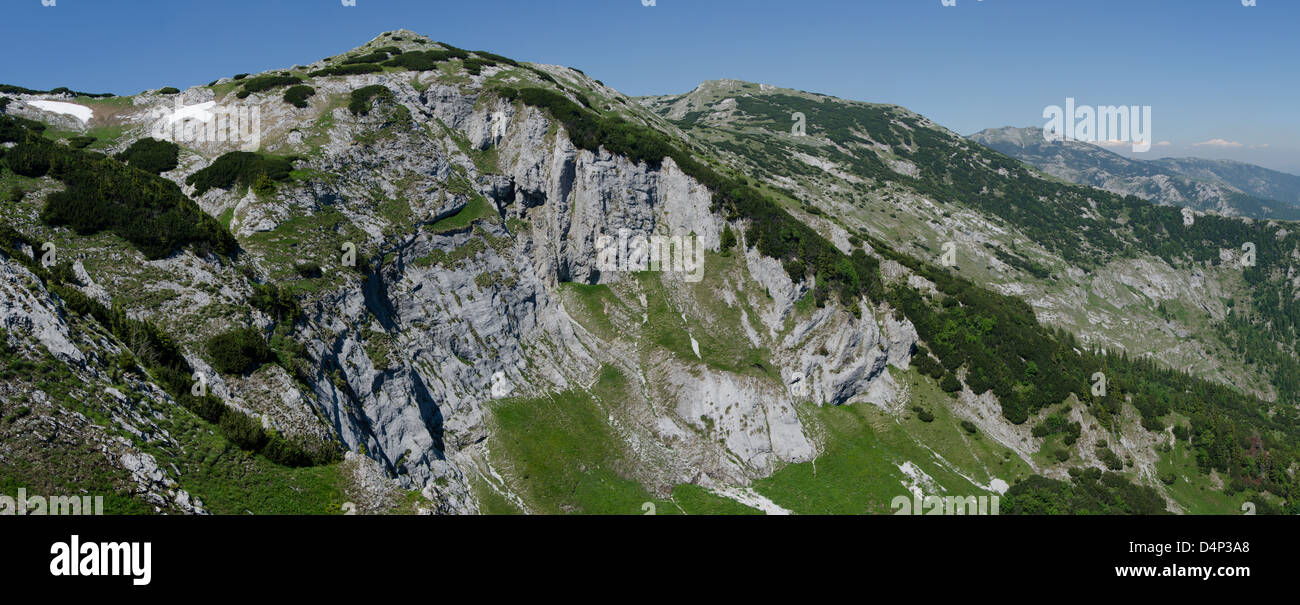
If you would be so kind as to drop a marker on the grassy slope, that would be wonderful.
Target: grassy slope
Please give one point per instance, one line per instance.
(561, 456)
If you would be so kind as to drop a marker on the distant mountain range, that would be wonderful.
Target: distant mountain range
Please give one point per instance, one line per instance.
(1222, 186)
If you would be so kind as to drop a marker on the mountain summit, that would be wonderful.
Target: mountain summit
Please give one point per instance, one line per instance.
(417, 278)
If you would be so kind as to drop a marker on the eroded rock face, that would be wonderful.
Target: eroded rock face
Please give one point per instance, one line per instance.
(403, 357)
(455, 334)
(35, 328)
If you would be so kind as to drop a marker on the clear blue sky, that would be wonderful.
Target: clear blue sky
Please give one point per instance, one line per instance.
(1210, 69)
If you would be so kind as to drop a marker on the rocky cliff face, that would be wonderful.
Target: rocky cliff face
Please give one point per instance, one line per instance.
(100, 427)
(404, 360)
(463, 331)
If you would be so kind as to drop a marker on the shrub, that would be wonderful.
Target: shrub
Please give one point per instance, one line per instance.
(950, 384)
(1057, 423)
(475, 65)
(1109, 457)
(273, 301)
(923, 414)
(239, 76)
(102, 194)
(1061, 454)
(425, 60)
(267, 82)
(495, 58)
(728, 239)
(151, 155)
(81, 142)
(362, 98)
(347, 70)
(969, 427)
(28, 159)
(239, 351)
(308, 269)
(18, 414)
(242, 430)
(297, 95)
(239, 169)
(378, 56)
(168, 90)
(126, 361)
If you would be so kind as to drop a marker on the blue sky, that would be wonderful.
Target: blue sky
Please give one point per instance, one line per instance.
(1210, 69)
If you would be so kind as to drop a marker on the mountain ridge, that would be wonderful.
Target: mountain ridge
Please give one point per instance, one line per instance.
(1164, 181)
(476, 358)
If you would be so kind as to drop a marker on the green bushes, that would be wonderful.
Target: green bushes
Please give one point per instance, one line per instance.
(375, 57)
(151, 213)
(425, 60)
(240, 169)
(950, 384)
(265, 83)
(15, 129)
(168, 90)
(969, 427)
(81, 141)
(362, 98)
(62, 90)
(927, 365)
(728, 239)
(923, 414)
(102, 194)
(239, 351)
(1090, 492)
(308, 269)
(475, 65)
(1107, 456)
(495, 58)
(1055, 424)
(31, 159)
(274, 301)
(151, 155)
(297, 95)
(347, 70)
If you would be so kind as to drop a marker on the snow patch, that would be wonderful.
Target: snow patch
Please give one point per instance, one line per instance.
(81, 112)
